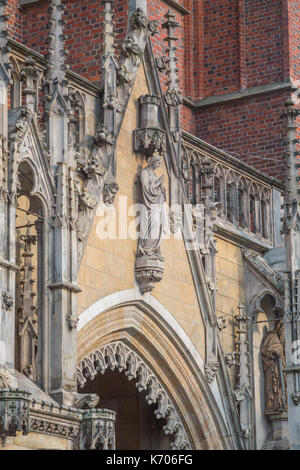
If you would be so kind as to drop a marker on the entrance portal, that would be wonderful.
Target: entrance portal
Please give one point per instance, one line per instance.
(136, 426)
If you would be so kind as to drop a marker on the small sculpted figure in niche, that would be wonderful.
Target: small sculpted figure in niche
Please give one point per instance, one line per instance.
(153, 222)
(273, 357)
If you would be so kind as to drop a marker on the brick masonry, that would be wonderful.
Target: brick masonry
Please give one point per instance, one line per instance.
(224, 46)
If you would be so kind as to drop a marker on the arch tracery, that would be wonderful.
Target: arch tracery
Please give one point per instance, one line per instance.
(119, 356)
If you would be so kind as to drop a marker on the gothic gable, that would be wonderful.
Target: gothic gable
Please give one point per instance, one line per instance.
(27, 145)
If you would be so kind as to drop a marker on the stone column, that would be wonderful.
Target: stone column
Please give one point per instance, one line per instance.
(7, 211)
(291, 224)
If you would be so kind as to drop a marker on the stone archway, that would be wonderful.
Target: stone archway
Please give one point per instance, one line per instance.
(148, 329)
(119, 356)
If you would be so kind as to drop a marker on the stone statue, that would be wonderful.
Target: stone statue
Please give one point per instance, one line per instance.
(153, 219)
(149, 265)
(273, 357)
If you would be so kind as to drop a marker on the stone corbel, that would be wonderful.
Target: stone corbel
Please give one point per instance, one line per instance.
(148, 272)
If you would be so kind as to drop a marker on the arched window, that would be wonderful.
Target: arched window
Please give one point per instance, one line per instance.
(242, 203)
(255, 210)
(231, 198)
(266, 228)
(217, 189)
(29, 281)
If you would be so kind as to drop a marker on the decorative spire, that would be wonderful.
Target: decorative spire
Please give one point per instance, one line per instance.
(109, 33)
(291, 155)
(56, 67)
(173, 97)
(27, 311)
(4, 50)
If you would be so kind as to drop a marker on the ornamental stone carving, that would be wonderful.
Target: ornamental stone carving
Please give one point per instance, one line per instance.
(149, 266)
(149, 138)
(98, 430)
(230, 359)
(221, 322)
(138, 20)
(71, 321)
(118, 356)
(110, 191)
(7, 301)
(14, 412)
(103, 137)
(296, 398)
(210, 371)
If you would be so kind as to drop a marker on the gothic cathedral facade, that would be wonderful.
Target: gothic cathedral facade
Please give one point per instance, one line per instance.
(149, 221)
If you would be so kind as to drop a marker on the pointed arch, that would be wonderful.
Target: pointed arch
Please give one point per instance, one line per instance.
(146, 327)
(118, 355)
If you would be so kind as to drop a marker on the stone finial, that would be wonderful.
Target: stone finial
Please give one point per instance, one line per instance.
(4, 50)
(173, 96)
(56, 66)
(109, 32)
(30, 76)
(171, 25)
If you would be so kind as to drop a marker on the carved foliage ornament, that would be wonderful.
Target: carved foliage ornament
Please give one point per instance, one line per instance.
(118, 356)
(7, 301)
(110, 191)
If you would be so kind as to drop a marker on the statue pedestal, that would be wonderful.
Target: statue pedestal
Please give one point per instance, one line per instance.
(148, 271)
(279, 423)
(279, 440)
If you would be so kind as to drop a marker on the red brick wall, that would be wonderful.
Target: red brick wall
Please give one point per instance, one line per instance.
(84, 29)
(35, 32)
(250, 129)
(264, 41)
(224, 46)
(14, 25)
(221, 46)
(156, 11)
(293, 45)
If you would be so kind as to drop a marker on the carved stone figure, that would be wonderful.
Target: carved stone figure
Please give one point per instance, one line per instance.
(273, 357)
(153, 218)
(153, 224)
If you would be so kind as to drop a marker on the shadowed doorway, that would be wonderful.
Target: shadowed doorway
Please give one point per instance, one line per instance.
(136, 425)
